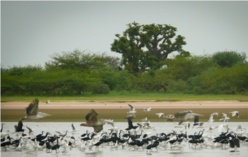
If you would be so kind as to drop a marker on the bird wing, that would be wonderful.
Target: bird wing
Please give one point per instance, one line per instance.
(91, 116)
(181, 114)
(196, 114)
(32, 109)
(224, 115)
(131, 107)
(180, 122)
(98, 128)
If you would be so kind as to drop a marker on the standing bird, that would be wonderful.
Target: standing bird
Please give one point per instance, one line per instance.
(234, 142)
(92, 121)
(32, 111)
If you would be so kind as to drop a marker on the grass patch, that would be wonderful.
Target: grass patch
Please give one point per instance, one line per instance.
(118, 115)
(122, 97)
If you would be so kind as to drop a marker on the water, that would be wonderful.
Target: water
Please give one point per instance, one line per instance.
(106, 150)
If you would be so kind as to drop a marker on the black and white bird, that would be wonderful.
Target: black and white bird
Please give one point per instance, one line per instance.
(234, 142)
(131, 109)
(130, 123)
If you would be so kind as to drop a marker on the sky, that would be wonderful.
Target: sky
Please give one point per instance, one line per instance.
(33, 31)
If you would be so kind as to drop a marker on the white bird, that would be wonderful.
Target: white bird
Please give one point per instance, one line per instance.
(160, 114)
(30, 131)
(224, 118)
(211, 118)
(74, 130)
(235, 113)
(147, 109)
(131, 110)
(108, 121)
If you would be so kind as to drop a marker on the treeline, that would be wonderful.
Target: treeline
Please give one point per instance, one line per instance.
(81, 73)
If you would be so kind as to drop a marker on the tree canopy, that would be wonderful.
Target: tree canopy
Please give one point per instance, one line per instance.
(70, 74)
(81, 60)
(147, 46)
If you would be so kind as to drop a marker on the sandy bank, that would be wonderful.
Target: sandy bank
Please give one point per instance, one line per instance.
(124, 105)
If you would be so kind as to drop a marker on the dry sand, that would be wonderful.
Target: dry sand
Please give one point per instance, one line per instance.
(124, 105)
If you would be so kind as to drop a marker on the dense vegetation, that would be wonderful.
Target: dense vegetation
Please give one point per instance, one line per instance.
(144, 67)
(82, 73)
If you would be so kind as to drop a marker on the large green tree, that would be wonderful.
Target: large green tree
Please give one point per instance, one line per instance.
(147, 46)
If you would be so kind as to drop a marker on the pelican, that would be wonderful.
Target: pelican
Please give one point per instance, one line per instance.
(185, 115)
(92, 121)
(32, 111)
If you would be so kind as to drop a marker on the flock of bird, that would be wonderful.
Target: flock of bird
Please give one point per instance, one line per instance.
(139, 136)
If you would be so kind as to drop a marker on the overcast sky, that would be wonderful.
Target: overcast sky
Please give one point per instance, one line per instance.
(32, 31)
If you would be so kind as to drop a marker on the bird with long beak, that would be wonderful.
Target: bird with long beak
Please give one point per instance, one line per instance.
(32, 111)
(92, 121)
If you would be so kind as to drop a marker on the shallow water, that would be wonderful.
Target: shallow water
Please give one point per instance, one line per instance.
(106, 151)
